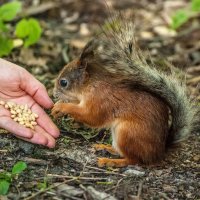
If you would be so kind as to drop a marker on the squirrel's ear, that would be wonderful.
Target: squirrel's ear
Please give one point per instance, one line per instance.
(88, 51)
(82, 73)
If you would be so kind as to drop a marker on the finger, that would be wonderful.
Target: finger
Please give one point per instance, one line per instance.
(15, 128)
(37, 136)
(45, 122)
(50, 139)
(35, 89)
(41, 137)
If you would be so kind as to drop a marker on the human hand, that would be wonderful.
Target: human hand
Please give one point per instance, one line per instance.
(19, 86)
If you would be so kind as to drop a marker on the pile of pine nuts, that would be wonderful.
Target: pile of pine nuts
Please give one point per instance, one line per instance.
(21, 114)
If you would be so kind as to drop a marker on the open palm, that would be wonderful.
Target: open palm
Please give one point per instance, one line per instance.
(19, 86)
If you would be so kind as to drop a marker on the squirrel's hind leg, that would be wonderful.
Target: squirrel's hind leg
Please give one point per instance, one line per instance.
(120, 162)
(136, 140)
(106, 147)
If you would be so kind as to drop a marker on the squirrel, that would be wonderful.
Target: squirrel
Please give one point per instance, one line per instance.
(110, 85)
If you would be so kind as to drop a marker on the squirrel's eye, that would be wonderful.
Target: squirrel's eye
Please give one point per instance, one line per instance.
(63, 82)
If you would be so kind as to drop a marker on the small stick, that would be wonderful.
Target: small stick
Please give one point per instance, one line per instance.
(118, 182)
(194, 80)
(164, 196)
(49, 188)
(109, 189)
(140, 189)
(138, 196)
(3, 150)
(110, 173)
(193, 69)
(77, 177)
(105, 171)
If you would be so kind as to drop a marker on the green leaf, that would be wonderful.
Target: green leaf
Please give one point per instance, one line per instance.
(6, 46)
(19, 167)
(29, 30)
(5, 176)
(3, 26)
(195, 5)
(8, 11)
(42, 186)
(22, 28)
(35, 33)
(4, 187)
(180, 17)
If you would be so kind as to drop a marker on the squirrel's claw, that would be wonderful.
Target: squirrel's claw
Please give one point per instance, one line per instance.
(56, 111)
(107, 147)
(98, 147)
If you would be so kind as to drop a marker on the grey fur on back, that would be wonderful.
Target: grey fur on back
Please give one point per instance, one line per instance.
(117, 47)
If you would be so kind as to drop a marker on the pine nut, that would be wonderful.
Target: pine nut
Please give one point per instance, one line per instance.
(21, 114)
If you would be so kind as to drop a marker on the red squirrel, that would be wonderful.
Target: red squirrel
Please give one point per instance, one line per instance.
(111, 85)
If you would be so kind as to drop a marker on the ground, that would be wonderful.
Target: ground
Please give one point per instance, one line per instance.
(69, 171)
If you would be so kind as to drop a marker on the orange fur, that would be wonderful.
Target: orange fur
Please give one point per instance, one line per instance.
(106, 147)
(114, 162)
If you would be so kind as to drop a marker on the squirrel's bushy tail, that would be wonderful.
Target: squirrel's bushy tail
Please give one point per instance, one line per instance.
(117, 52)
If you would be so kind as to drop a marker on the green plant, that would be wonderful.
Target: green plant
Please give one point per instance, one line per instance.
(6, 178)
(42, 185)
(183, 15)
(195, 5)
(27, 30)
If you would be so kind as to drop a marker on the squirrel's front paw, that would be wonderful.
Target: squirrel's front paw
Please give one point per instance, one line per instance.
(57, 110)
(98, 147)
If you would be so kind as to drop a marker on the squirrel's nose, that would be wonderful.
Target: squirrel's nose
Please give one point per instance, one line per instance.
(55, 93)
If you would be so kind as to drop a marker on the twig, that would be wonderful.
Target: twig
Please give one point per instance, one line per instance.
(34, 10)
(109, 189)
(140, 189)
(85, 196)
(49, 188)
(138, 196)
(43, 7)
(164, 196)
(67, 181)
(4, 150)
(117, 185)
(105, 171)
(64, 54)
(71, 197)
(194, 80)
(19, 193)
(35, 161)
(77, 177)
(187, 32)
(81, 173)
(193, 69)
(96, 168)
